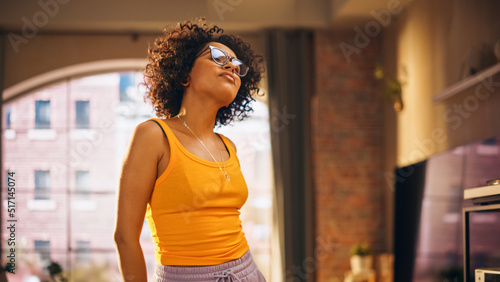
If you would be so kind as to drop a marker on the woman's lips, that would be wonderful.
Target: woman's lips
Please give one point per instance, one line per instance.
(228, 76)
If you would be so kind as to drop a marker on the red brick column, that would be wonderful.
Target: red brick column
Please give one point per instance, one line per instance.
(348, 151)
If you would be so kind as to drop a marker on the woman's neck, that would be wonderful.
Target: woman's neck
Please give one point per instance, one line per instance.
(199, 116)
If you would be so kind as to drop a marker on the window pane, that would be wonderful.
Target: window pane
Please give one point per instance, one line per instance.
(82, 251)
(82, 114)
(82, 181)
(42, 185)
(82, 187)
(42, 114)
(42, 247)
(7, 116)
(126, 83)
(6, 183)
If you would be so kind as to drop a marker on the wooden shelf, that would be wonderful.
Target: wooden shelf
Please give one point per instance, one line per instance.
(465, 84)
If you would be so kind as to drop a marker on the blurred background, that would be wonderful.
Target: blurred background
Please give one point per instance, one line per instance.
(376, 115)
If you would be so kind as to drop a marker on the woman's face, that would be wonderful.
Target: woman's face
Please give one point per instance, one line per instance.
(221, 82)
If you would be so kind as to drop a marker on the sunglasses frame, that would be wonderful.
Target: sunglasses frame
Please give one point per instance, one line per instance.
(226, 60)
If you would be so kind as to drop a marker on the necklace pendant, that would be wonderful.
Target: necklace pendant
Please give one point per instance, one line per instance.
(227, 177)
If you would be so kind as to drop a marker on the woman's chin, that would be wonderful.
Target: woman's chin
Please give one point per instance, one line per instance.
(227, 98)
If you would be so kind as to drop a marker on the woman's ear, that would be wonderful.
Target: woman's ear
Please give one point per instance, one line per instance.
(186, 83)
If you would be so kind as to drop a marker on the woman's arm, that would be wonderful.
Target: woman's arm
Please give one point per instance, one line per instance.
(138, 175)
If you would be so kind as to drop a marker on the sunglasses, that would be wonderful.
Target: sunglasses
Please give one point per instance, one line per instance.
(221, 58)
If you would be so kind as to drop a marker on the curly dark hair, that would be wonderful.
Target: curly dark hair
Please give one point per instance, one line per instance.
(172, 57)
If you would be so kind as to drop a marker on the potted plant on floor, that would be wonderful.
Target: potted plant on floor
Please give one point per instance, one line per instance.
(361, 258)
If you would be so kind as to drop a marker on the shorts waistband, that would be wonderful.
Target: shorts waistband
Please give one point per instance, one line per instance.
(236, 268)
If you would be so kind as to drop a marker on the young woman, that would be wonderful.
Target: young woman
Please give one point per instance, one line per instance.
(180, 175)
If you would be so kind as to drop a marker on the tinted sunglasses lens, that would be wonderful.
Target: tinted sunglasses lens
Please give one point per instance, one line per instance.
(240, 68)
(221, 59)
(218, 56)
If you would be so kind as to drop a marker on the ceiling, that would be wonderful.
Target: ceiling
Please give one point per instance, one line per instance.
(149, 16)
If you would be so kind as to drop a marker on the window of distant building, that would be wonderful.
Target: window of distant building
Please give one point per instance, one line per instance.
(127, 84)
(83, 252)
(82, 119)
(42, 247)
(82, 178)
(6, 179)
(42, 114)
(7, 117)
(42, 185)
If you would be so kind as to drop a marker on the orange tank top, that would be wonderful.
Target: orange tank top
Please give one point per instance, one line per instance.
(193, 212)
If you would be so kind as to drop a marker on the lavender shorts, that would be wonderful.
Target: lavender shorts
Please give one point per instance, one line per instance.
(239, 270)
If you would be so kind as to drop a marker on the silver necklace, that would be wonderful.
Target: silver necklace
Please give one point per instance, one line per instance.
(224, 172)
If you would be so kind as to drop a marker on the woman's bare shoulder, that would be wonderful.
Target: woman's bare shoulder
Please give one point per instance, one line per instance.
(148, 127)
(148, 135)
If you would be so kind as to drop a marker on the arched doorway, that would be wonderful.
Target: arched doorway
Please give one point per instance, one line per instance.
(63, 142)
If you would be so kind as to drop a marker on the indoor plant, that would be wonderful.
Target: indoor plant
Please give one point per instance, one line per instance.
(393, 91)
(361, 258)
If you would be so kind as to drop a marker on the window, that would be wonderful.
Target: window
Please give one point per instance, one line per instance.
(42, 247)
(82, 251)
(42, 185)
(82, 119)
(42, 114)
(7, 117)
(126, 82)
(82, 178)
(7, 178)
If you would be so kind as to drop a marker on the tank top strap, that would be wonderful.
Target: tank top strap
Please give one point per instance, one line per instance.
(173, 149)
(229, 146)
(166, 129)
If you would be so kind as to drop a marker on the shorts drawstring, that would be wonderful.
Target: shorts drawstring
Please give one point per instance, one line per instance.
(226, 274)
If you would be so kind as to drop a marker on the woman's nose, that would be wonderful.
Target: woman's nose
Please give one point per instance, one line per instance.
(229, 66)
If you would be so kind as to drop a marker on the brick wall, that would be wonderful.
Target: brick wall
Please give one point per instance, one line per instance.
(348, 153)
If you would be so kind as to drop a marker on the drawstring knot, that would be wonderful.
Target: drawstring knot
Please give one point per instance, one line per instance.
(226, 274)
